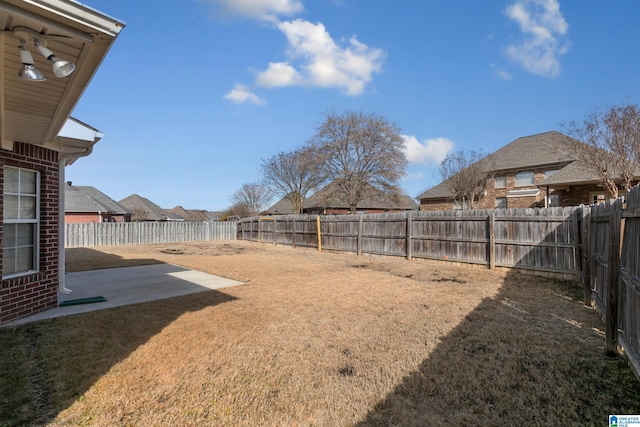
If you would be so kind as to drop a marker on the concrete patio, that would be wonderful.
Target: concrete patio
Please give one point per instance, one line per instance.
(129, 285)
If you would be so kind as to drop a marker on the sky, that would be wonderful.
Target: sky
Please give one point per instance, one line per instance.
(195, 94)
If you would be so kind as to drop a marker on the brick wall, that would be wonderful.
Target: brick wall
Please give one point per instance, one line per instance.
(25, 295)
(82, 217)
(489, 200)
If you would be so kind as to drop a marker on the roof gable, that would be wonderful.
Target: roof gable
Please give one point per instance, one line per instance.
(143, 208)
(90, 199)
(533, 151)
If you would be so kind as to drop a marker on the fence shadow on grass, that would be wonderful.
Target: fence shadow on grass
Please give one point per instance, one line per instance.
(533, 355)
(67, 355)
(82, 259)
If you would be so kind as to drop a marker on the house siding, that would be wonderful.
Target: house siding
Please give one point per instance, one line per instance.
(29, 294)
(92, 217)
(492, 193)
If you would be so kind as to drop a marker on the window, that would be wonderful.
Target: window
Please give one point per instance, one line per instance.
(524, 178)
(501, 203)
(597, 198)
(21, 199)
(554, 200)
(501, 182)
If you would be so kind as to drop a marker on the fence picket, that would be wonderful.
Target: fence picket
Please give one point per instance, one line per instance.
(135, 233)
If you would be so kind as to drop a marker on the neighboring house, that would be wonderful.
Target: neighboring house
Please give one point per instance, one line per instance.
(38, 139)
(190, 214)
(143, 209)
(533, 171)
(281, 207)
(88, 204)
(321, 204)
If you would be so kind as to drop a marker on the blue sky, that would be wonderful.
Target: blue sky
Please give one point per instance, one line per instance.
(194, 94)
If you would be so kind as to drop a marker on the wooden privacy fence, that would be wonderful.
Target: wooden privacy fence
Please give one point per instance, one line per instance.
(535, 239)
(612, 272)
(128, 233)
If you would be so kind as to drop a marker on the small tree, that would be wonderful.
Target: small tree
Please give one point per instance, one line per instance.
(293, 175)
(464, 177)
(252, 197)
(608, 144)
(139, 214)
(360, 153)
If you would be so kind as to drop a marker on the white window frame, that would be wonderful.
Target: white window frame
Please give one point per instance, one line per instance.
(528, 175)
(8, 222)
(501, 181)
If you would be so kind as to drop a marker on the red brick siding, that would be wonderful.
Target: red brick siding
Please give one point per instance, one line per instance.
(489, 200)
(92, 217)
(25, 295)
(82, 217)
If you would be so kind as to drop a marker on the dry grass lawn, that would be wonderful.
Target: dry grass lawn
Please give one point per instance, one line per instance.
(323, 339)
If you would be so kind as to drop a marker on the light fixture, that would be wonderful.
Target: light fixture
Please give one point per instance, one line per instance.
(61, 68)
(28, 71)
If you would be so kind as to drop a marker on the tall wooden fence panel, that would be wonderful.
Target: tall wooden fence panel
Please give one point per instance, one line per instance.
(629, 293)
(535, 239)
(128, 233)
(599, 248)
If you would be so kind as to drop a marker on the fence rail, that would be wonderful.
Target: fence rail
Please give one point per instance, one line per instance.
(534, 239)
(135, 233)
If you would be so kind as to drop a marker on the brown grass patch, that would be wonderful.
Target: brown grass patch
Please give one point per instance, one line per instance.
(325, 339)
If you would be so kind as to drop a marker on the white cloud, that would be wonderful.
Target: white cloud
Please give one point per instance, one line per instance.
(277, 75)
(429, 151)
(504, 75)
(267, 10)
(241, 94)
(321, 62)
(544, 29)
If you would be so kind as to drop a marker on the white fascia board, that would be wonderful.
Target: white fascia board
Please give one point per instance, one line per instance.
(532, 192)
(75, 129)
(82, 14)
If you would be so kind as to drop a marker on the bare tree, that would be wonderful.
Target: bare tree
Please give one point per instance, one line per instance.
(464, 177)
(608, 144)
(293, 175)
(360, 153)
(237, 209)
(253, 197)
(139, 214)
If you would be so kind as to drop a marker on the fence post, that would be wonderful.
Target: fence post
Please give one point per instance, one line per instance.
(293, 232)
(613, 264)
(318, 232)
(586, 254)
(492, 240)
(359, 239)
(576, 251)
(409, 222)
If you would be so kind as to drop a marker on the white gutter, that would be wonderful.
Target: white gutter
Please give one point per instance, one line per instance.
(62, 162)
(73, 131)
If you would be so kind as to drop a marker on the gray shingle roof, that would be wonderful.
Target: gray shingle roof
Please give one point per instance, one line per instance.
(89, 199)
(535, 151)
(381, 201)
(281, 207)
(531, 151)
(144, 209)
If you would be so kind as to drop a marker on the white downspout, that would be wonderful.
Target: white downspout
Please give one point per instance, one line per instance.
(62, 162)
